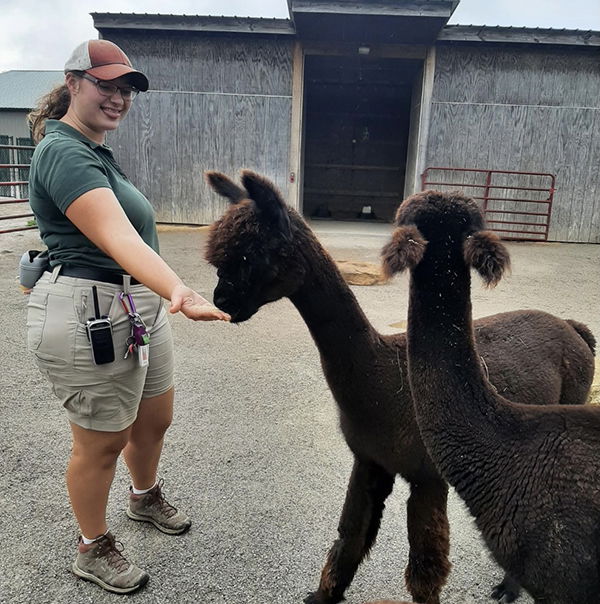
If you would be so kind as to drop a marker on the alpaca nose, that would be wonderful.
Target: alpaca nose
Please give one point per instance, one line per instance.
(221, 300)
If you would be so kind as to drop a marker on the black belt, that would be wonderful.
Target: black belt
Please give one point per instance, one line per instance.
(95, 274)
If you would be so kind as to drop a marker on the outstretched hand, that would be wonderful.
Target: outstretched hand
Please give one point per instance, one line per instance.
(194, 306)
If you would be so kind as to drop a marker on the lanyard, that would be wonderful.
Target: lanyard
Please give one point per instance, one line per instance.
(139, 334)
(131, 310)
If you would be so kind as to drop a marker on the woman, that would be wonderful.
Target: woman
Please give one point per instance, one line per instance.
(104, 262)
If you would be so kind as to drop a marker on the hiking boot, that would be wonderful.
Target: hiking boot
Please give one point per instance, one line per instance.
(103, 563)
(153, 507)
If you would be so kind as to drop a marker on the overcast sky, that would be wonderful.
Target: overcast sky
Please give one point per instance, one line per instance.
(41, 35)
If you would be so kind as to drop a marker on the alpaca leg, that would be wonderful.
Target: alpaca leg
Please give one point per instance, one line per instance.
(428, 536)
(507, 591)
(367, 490)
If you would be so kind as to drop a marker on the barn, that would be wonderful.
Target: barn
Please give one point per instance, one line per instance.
(19, 93)
(349, 106)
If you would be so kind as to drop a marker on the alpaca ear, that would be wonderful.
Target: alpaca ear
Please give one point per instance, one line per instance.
(268, 201)
(485, 252)
(404, 251)
(225, 187)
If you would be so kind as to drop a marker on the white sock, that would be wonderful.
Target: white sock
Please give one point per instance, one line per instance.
(90, 541)
(142, 491)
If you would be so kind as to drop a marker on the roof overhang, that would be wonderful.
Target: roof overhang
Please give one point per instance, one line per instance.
(519, 35)
(371, 21)
(193, 23)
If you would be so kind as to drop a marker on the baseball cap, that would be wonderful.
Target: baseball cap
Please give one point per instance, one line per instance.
(104, 60)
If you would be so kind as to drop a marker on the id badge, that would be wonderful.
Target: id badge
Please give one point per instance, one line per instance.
(143, 353)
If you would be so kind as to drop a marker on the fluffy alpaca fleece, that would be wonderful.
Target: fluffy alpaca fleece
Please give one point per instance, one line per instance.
(530, 475)
(264, 251)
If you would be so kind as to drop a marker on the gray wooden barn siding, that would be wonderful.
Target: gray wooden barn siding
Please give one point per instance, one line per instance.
(14, 123)
(527, 110)
(215, 103)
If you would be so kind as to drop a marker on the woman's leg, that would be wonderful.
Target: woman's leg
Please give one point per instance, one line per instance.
(90, 473)
(146, 438)
(89, 476)
(142, 455)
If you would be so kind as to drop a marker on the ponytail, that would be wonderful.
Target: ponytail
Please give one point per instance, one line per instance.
(53, 106)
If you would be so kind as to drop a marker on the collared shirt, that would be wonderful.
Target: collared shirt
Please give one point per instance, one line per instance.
(65, 165)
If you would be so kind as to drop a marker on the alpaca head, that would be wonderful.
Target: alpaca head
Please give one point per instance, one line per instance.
(446, 221)
(252, 246)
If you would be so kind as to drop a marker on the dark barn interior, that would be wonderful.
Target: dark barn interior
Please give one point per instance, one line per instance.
(357, 114)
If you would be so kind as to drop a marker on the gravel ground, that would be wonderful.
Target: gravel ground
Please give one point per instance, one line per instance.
(254, 454)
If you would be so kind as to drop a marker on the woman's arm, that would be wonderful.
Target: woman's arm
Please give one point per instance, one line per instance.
(100, 217)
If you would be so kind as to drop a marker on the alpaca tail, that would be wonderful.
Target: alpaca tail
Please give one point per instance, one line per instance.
(585, 333)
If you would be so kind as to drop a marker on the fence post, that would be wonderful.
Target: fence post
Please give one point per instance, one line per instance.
(486, 193)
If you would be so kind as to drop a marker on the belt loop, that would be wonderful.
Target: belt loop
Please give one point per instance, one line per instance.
(55, 273)
(126, 283)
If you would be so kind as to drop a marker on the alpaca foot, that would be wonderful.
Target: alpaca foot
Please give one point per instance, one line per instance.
(318, 597)
(507, 591)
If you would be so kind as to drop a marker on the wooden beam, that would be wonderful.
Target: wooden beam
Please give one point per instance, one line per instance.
(295, 176)
(419, 126)
(384, 51)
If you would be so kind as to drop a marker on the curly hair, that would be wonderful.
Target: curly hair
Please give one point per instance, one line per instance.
(53, 105)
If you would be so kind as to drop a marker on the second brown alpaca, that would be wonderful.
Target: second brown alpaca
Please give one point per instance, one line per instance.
(264, 251)
(530, 475)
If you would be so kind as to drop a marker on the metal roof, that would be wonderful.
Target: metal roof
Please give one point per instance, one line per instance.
(400, 8)
(521, 35)
(278, 26)
(206, 23)
(21, 89)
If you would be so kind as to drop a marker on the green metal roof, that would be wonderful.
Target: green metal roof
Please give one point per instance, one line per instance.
(21, 89)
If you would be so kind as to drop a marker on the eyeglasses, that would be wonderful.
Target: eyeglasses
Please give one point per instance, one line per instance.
(128, 93)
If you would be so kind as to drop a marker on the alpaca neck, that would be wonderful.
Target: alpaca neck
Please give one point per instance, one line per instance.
(458, 413)
(441, 326)
(336, 322)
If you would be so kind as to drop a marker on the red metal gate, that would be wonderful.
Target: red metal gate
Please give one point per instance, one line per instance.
(517, 205)
(15, 186)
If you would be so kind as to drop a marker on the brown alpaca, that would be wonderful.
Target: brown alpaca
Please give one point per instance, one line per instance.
(530, 475)
(264, 251)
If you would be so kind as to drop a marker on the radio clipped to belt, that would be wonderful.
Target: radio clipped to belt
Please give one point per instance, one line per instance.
(138, 341)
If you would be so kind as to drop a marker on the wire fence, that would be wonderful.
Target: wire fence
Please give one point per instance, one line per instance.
(15, 161)
(517, 205)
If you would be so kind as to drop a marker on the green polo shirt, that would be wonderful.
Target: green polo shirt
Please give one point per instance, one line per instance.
(65, 165)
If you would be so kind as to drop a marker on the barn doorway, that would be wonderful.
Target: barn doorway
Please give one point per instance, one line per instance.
(357, 119)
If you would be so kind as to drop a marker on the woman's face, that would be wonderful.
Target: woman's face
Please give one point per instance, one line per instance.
(94, 111)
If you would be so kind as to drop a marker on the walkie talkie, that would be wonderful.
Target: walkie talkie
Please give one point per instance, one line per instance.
(99, 332)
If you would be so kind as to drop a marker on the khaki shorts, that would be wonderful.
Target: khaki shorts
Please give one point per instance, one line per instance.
(97, 397)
